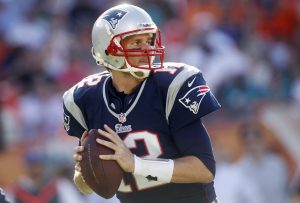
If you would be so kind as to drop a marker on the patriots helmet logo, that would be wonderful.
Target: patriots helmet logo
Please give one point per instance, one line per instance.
(192, 99)
(114, 16)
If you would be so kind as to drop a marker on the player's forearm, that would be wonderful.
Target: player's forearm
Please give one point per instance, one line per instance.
(190, 169)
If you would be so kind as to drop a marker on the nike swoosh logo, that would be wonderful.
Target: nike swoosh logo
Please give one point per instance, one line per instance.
(191, 83)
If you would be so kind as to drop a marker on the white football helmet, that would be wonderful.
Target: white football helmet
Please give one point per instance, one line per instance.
(118, 23)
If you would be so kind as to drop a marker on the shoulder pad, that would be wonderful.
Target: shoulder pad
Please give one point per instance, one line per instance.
(171, 78)
(73, 97)
(89, 84)
(185, 73)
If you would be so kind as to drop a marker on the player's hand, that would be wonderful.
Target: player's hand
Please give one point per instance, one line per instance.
(83, 136)
(78, 149)
(122, 155)
(78, 179)
(77, 156)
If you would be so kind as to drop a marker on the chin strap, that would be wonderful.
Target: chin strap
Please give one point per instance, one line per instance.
(139, 77)
(135, 72)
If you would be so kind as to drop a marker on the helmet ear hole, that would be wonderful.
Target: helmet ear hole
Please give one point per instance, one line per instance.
(98, 62)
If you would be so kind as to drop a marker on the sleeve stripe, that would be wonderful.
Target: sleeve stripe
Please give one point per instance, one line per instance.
(73, 108)
(176, 85)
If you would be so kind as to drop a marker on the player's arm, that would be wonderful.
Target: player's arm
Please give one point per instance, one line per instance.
(74, 124)
(187, 169)
(193, 101)
(190, 169)
(197, 163)
(197, 167)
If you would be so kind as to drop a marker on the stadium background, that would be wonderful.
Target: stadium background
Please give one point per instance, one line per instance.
(249, 52)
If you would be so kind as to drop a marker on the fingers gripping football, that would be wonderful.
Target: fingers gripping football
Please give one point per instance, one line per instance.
(78, 179)
(122, 154)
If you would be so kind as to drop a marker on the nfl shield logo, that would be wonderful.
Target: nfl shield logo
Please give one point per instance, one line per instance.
(122, 117)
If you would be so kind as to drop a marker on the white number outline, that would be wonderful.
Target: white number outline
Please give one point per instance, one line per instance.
(90, 81)
(167, 69)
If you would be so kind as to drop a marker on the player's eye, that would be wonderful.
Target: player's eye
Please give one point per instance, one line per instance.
(150, 42)
(135, 44)
(138, 44)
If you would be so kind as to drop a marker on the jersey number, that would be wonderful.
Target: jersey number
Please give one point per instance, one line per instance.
(90, 81)
(154, 150)
(167, 69)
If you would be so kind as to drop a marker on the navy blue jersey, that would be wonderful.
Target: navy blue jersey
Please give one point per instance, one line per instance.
(160, 119)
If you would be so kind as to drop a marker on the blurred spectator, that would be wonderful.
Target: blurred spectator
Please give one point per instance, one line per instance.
(278, 19)
(295, 187)
(217, 55)
(56, 52)
(38, 185)
(233, 185)
(296, 90)
(296, 194)
(32, 26)
(39, 111)
(94, 198)
(10, 129)
(3, 197)
(266, 168)
(259, 175)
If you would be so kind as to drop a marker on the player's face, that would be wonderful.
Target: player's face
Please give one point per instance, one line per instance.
(138, 42)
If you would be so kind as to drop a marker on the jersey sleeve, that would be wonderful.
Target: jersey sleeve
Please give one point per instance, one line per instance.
(193, 139)
(74, 121)
(76, 102)
(189, 98)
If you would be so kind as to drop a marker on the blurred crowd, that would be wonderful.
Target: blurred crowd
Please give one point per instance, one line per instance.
(249, 52)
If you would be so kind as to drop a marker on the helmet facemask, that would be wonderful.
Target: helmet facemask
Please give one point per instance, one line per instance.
(156, 50)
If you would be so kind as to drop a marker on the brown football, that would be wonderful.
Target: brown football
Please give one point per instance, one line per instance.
(103, 176)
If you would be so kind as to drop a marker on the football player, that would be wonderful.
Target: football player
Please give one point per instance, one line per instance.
(151, 113)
